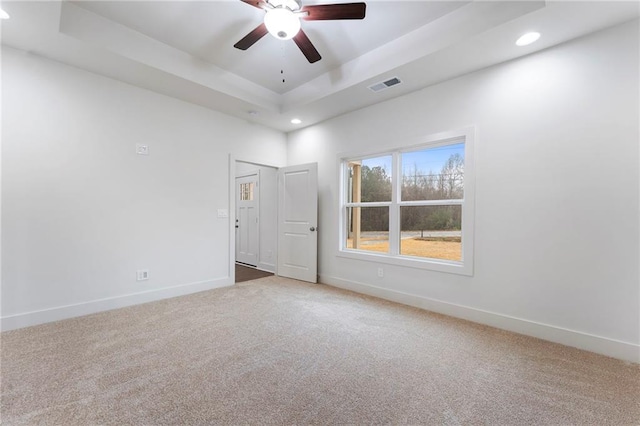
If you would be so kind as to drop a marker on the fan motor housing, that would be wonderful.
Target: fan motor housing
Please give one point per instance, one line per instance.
(289, 4)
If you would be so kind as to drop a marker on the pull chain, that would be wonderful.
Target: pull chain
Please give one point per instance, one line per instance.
(282, 62)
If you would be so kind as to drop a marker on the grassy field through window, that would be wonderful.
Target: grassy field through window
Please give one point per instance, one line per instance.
(445, 247)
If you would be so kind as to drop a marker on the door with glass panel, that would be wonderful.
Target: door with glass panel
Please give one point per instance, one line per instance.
(247, 219)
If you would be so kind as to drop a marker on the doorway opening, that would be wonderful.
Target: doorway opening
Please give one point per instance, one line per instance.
(255, 219)
(282, 204)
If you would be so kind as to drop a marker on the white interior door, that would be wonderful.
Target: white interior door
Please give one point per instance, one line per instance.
(298, 222)
(247, 219)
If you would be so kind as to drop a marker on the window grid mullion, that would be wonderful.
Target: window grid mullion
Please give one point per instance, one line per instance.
(457, 202)
(394, 209)
(369, 204)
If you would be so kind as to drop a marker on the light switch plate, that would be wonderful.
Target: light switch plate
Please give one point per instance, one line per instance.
(142, 274)
(222, 213)
(142, 149)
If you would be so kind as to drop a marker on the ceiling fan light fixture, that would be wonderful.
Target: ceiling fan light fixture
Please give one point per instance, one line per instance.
(282, 23)
(282, 20)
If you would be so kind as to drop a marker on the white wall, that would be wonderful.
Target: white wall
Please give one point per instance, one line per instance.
(81, 212)
(268, 218)
(556, 243)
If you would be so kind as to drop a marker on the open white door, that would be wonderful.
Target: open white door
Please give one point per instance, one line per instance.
(298, 222)
(247, 219)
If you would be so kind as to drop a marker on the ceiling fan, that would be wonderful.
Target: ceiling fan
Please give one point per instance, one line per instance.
(282, 20)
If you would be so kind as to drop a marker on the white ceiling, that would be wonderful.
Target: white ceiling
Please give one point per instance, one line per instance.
(208, 30)
(185, 49)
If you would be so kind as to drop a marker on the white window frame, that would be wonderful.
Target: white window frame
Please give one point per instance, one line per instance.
(463, 267)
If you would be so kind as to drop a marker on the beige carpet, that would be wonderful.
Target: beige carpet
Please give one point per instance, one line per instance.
(278, 351)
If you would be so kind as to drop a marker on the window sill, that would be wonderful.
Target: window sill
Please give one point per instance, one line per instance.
(450, 267)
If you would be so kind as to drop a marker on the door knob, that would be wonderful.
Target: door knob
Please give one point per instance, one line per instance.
(312, 229)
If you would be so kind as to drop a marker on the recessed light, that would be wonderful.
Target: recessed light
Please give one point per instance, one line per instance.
(296, 121)
(4, 15)
(528, 38)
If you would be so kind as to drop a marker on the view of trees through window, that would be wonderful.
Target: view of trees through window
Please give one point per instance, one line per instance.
(429, 201)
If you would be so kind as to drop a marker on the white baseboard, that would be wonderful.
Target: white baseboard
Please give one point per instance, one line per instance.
(28, 319)
(601, 345)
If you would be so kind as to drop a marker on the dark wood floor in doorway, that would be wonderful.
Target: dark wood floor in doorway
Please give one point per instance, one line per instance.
(246, 273)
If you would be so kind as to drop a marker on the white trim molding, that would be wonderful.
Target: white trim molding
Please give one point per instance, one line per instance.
(625, 351)
(28, 319)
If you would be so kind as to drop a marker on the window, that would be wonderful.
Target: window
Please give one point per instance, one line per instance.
(246, 191)
(411, 206)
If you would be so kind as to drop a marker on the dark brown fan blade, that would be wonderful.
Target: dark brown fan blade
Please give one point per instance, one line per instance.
(307, 48)
(250, 39)
(255, 3)
(323, 12)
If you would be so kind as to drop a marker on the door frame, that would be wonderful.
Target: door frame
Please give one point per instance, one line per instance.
(232, 211)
